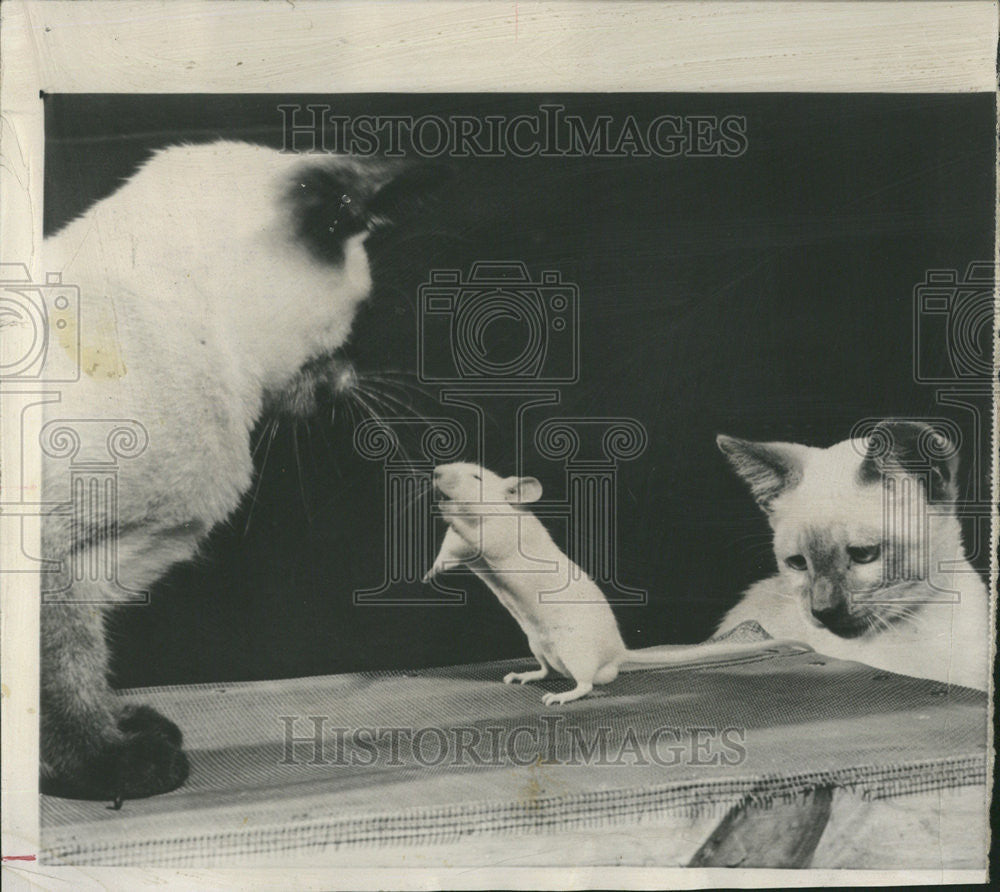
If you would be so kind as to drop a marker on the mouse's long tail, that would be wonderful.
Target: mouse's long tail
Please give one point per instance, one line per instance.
(675, 654)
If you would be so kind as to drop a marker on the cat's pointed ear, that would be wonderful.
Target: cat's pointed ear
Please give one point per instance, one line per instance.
(913, 447)
(769, 468)
(522, 490)
(334, 198)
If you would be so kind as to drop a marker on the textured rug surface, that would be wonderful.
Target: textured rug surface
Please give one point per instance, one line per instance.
(433, 756)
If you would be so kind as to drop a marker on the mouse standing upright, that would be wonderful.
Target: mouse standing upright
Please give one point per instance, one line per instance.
(570, 629)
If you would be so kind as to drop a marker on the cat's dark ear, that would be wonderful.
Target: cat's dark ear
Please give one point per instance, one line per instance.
(912, 447)
(769, 468)
(406, 192)
(333, 198)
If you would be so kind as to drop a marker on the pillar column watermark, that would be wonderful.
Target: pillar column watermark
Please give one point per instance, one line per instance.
(409, 523)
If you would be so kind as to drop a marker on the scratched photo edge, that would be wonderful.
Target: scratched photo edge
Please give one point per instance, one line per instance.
(22, 129)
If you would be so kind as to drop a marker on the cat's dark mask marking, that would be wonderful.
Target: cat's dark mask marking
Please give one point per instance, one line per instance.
(332, 203)
(841, 621)
(827, 590)
(331, 199)
(913, 447)
(769, 468)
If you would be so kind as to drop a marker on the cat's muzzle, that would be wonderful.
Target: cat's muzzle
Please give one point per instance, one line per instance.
(841, 621)
(319, 381)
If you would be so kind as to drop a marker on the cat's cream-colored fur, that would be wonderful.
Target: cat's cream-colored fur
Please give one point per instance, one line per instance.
(207, 280)
(924, 614)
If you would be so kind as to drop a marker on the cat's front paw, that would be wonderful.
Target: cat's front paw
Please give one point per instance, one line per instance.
(139, 719)
(142, 758)
(149, 760)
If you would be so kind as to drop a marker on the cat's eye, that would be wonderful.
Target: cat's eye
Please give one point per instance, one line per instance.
(796, 562)
(863, 554)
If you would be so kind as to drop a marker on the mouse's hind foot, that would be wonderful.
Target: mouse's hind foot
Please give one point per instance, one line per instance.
(581, 690)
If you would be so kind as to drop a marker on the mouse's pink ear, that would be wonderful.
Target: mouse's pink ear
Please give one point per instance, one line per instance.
(521, 490)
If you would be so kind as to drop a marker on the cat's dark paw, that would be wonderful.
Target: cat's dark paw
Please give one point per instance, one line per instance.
(145, 759)
(150, 759)
(147, 763)
(139, 719)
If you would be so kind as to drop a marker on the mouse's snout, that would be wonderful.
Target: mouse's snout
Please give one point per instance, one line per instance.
(440, 476)
(448, 481)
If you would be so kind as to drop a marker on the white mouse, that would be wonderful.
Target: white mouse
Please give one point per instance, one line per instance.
(568, 621)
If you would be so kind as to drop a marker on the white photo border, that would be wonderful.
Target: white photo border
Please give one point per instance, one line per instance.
(307, 46)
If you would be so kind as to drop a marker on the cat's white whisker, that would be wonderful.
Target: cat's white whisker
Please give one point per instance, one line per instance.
(298, 467)
(367, 405)
(380, 399)
(260, 473)
(419, 493)
(910, 616)
(390, 400)
(403, 383)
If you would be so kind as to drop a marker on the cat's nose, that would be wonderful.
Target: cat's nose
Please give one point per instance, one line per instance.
(344, 377)
(840, 621)
(824, 596)
(830, 616)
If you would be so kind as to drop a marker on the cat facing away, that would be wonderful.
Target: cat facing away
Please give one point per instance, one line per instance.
(216, 283)
(871, 566)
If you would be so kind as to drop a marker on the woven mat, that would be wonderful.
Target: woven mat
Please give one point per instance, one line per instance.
(686, 740)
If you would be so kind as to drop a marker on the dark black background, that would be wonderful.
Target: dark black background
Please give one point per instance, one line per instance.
(768, 296)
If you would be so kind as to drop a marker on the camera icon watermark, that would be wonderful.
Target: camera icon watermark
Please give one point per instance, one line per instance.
(500, 345)
(498, 325)
(40, 312)
(40, 360)
(953, 325)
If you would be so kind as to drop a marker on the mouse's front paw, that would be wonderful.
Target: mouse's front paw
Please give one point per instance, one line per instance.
(436, 569)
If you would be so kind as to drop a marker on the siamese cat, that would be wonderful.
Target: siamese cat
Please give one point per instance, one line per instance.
(870, 560)
(215, 284)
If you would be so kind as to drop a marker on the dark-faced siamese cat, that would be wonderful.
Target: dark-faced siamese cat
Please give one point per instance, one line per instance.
(216, 281)
(869, 550)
